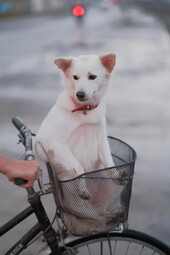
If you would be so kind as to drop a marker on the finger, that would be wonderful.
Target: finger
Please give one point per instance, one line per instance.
(29, 184)
(38, 166)
(37, 175)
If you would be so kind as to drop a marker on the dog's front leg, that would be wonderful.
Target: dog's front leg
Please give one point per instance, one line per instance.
(68, 167)
(107, 161)
(105, 155)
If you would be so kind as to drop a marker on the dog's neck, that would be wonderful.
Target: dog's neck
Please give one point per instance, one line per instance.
(85, 107)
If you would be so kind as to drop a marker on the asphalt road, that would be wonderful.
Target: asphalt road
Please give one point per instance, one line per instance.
(138, 108)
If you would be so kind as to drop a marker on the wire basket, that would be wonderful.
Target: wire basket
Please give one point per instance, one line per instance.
(106, 209)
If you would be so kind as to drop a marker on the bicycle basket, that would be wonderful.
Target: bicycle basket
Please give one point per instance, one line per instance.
(110, 190)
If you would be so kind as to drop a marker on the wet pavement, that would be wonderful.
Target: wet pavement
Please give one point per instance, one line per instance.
(138, 108)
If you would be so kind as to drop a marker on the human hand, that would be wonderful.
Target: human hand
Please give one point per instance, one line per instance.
(27, 170)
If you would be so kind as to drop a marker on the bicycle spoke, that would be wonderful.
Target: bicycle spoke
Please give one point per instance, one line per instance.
(141, 250)
(89, 250)
(115, 248)
(153, 253)
(127, 249)
(109, 244)
(101, 248)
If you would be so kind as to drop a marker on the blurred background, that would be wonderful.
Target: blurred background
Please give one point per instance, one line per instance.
(32, 34)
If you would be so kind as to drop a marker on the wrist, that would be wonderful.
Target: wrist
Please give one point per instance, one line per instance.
(5, 164)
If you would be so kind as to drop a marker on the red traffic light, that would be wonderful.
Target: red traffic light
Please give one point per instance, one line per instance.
(78, 10)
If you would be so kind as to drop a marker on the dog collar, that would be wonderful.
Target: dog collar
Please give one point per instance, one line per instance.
(85, 108)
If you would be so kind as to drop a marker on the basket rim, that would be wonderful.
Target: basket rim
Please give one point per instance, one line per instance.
(99, 170)
(135, 154)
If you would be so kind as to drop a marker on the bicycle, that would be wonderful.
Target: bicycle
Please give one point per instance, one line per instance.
(113, 238)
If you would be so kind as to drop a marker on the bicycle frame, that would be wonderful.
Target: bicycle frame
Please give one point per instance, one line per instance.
(30, 235)
(35, 207)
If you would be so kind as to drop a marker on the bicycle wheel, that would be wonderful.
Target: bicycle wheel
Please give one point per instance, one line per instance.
(130, 243)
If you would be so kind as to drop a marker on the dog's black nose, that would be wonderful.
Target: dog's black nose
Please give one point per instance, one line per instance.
(80, 95)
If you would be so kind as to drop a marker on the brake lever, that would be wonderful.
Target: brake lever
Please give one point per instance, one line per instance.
(33, 133)
(21, 139)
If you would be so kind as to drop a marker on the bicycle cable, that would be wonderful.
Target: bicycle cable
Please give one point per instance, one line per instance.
(36, 238)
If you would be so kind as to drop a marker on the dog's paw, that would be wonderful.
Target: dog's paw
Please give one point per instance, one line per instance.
(121, 178)
(85, 195)
(119, 216)
(82, 189)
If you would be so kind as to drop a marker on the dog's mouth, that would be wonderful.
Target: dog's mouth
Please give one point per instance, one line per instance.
(83, 100)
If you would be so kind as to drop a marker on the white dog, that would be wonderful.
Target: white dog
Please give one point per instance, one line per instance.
(74, 132)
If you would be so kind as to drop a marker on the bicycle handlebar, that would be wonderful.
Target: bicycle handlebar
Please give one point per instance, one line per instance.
(18, 123)
(33, 197)
(20, 181)
(27, 142)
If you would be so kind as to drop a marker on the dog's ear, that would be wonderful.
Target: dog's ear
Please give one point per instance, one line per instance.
(108, 61)
(63, 63)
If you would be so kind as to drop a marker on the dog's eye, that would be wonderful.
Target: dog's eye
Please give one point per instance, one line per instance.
(75, 77)
(92, 77)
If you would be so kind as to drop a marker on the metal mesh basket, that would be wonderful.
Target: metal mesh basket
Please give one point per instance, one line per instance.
(106, 209)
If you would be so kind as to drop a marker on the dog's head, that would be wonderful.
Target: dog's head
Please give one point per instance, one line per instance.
(87, 77)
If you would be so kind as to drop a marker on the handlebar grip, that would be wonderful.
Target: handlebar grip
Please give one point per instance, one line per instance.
(18, 123)
(20, 181)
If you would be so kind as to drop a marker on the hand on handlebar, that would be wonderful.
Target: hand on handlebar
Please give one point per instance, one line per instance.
(27, 170)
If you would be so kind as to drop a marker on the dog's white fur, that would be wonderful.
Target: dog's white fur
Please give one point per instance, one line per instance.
(75, 142)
